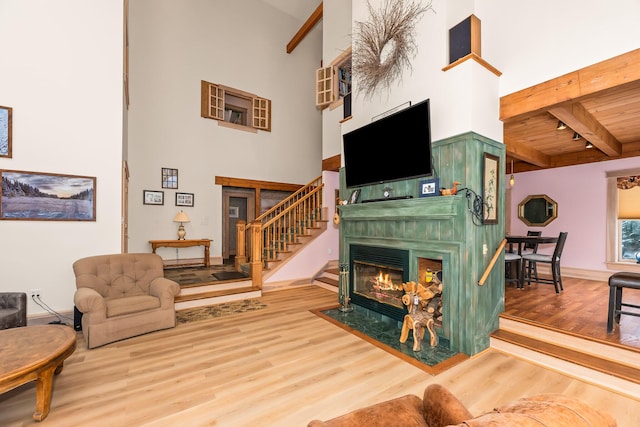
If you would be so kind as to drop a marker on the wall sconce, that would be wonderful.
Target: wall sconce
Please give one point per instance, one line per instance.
(181, 217)
(576, 136)
(561, 126)
(588, 145)
(512, 180)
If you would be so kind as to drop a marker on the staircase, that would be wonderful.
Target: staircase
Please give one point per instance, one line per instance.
(263, 246)
(614, 368)
(328, 277)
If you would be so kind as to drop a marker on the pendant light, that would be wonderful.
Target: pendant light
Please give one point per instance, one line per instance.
(512, 180)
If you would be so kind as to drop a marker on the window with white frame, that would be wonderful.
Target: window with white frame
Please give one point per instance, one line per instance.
(623, 217)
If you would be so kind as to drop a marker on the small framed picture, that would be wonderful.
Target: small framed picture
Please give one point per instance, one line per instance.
(234, 212)
(153, 197)
(429, 187)
(184, 199)
(354, 196)
(169, 178)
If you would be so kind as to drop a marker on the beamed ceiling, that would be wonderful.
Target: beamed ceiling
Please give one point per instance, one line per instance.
(600, 102)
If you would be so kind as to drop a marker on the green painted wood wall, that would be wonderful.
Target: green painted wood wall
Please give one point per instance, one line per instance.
(444, 228)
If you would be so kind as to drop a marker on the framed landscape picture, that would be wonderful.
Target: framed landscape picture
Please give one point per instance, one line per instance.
(5, 131)
(47, 196)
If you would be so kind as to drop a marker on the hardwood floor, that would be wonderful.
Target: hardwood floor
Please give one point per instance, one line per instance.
(580, 310)
(279, 366)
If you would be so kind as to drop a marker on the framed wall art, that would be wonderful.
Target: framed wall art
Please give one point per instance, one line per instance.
(169, 178)
(5, 131)
(354, 196)
(150, 197)
(184, 199)
(490, 174)
(47, 196)
(429, 187)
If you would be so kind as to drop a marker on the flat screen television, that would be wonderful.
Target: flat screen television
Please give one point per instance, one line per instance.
(392, 148)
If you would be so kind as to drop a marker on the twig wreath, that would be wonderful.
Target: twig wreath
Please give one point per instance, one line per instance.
(385, 45)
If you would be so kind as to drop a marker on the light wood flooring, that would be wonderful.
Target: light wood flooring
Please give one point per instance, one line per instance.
(279, 366)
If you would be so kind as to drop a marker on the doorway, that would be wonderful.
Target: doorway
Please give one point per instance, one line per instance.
(238, 204)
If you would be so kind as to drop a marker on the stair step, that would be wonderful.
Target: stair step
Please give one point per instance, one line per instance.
(578, 357)
(213, 294)
(327, 280)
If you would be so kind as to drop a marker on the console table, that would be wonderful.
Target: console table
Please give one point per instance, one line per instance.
(155, 244)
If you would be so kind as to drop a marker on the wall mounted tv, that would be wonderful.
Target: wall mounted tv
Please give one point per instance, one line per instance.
(392, 148)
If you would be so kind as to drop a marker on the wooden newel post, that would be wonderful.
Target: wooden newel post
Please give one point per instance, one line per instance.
(241, 244)
(255, 231)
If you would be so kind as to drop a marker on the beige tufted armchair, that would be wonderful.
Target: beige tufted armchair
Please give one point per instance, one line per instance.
(123, 295)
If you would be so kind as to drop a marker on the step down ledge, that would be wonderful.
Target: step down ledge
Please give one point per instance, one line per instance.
(217, 299)
(212, 294)
(573, 370)
(573, 342)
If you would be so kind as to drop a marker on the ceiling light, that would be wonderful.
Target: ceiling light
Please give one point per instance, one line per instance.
(512, 180)
(588, 145)
(561, 126)
(576, 136)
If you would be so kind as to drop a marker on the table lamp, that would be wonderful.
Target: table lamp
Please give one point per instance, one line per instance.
(181, 217)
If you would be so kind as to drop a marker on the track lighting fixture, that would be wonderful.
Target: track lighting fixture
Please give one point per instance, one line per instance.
(588, 145)
(576, 136)
(561, 125)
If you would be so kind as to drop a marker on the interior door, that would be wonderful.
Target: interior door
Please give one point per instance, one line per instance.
(238, 204)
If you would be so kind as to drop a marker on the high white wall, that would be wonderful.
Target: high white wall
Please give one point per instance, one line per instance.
(61, 73)
(175, 45)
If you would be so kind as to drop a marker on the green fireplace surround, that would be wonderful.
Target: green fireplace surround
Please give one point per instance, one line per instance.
(442, 228)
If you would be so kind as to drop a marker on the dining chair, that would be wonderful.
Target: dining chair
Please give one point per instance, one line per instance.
(512, 266)
(529, 262)
(531, 248)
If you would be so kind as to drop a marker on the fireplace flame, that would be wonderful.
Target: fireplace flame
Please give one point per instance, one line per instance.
(383, 283)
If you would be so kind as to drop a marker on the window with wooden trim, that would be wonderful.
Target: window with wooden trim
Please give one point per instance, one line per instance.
(623, 218)
(333, 83)
(234, 108)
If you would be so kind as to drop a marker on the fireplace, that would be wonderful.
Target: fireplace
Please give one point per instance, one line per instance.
(376, 275)
(441, 234)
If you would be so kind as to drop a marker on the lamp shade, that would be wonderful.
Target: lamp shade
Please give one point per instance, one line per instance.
(181, 217)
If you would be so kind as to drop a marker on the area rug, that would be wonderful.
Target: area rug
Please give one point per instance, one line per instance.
(384, 333)
(218, 310)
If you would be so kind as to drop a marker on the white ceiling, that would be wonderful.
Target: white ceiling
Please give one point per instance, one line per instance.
(299, 9)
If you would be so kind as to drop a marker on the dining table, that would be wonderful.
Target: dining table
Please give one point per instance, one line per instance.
(520, 242)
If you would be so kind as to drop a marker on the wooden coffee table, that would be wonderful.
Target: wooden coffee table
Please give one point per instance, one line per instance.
(34, 353)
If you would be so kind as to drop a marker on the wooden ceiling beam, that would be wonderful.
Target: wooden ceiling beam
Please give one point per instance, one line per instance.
(580, 120)
(523, 152)
(311, 22)
(619, 70)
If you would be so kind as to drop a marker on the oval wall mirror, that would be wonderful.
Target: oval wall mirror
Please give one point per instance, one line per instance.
(538, 210)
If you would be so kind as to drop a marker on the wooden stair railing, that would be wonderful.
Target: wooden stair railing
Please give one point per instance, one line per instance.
(270, 234)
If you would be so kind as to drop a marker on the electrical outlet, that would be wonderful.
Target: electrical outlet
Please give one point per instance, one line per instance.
(35, 292)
